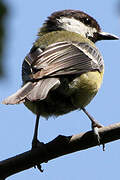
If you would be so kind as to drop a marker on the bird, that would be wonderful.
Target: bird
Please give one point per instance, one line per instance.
(63, 70)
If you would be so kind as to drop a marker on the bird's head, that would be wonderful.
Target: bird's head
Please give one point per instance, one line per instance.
(78, 22)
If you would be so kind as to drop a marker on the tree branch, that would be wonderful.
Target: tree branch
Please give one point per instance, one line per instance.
(61, 145)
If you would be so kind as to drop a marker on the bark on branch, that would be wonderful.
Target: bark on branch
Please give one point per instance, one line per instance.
(61, 145)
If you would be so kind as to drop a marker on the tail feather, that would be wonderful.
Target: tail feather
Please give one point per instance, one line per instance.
(20, 95)
(33, 91)
(42, 88)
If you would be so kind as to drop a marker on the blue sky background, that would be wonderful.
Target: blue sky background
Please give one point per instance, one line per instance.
(17, 123)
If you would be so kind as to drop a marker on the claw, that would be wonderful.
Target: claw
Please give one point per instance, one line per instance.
(96, 133)
(39, 167)
(103, 147)
(95, 130)
(37, 144)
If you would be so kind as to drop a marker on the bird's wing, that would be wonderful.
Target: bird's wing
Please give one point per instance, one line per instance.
(66, 58)
(43, 69)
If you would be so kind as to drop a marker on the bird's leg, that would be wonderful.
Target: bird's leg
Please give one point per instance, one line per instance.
(35, 142)
(95, 126)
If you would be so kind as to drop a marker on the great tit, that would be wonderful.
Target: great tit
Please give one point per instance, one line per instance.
(64, 69)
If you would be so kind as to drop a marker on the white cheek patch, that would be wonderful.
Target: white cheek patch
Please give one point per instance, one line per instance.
(74, 25)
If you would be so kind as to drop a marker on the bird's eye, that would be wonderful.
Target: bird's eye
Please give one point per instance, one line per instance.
(87, 21)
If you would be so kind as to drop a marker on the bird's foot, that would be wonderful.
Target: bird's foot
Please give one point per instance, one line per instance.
(95, 126)
(39, 167)
(37, 144)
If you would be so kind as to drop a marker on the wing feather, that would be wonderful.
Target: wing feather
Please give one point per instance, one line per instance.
(81, 57)
(58, 59)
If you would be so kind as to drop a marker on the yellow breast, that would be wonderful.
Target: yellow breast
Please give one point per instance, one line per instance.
(79, 94)
(85, 87)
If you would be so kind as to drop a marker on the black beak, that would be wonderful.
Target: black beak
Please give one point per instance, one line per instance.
(106, 36)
